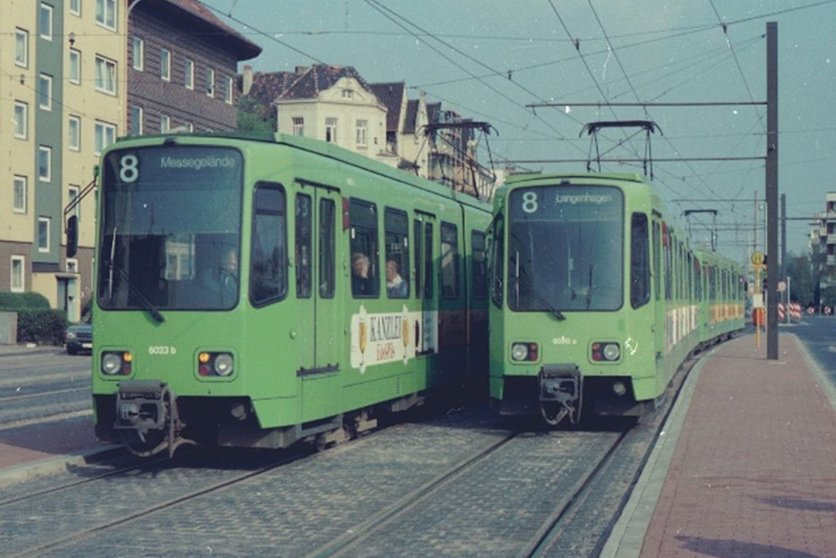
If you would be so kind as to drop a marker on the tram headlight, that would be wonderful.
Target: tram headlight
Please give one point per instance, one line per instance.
(524, 352)
(116, 363)
(215, 364)
(223, 364)
(606, 351)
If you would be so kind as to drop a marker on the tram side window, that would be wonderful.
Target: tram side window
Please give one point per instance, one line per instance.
(668, 266)
(639, 261)
(428, 260)
(268, 258)
(362, 217)
(657, 260)
(497, 260)
(327, 248)
(396, 227)
(697, 280)
(449, 260)
(417, 244)
(480, 270)
(304, 243)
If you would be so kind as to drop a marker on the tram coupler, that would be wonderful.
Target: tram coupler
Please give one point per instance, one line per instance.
(148, 409)
(561, 387)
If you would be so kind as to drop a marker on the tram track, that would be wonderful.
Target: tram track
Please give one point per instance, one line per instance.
(349, 541)
(448, 486)
(151, 468)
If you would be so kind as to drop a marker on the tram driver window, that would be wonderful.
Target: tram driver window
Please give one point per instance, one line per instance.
(365, 281)
(268, 258)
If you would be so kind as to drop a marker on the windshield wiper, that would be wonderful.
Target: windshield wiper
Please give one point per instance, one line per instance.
(141, 298)
(555, 312)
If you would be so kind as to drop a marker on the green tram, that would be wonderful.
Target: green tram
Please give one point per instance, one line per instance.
(595, 297)
(257, 291)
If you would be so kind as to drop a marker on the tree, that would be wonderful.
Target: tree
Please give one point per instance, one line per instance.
(801, 279)
(250, 118)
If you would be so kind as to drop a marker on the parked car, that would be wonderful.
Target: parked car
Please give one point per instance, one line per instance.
(78, 338)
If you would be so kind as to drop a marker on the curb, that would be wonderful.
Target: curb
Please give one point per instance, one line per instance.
(52, 465)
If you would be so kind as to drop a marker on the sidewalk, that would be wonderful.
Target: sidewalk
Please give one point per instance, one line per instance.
(41, 448)
(748, 464)
(23, 349)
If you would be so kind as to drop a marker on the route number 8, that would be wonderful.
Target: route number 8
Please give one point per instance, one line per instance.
(529, 202)
(129, 168)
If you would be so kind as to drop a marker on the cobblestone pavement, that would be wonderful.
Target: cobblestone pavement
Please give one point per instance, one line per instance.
(493, 510)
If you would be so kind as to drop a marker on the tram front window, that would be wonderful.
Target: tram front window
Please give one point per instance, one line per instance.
(170, 233)
(565, 248)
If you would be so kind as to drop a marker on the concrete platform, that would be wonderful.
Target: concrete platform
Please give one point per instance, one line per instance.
(746, 466)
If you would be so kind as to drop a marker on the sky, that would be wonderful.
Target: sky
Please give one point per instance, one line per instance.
(526, 67)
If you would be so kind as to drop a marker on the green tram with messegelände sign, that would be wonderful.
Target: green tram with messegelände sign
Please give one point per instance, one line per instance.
(229, 305)
(595, 298)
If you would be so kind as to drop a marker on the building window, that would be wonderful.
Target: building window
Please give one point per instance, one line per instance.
(44, 163)
(348, 94)
(331, 130)
(165, 64)
(45, 91)
(298, 126)
(210, 82)
(45, 22)
(21, 120)
(228, 92)
(188, 73)
(74, 131)
(137, 53)
(17, 283)
(72, 194)
(106, 13)
(20, 191)
(75, 7)
(22, 48)
(136, 121)
(105, 75)
(105, 135)
(43, 234)
(75, 66)
(165, 123)
(362, 133)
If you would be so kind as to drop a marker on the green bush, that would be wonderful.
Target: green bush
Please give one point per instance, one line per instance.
(19, 301)
(44, 327)
(36, 321)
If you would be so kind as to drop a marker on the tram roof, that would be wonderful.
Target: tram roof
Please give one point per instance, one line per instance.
(324, 149)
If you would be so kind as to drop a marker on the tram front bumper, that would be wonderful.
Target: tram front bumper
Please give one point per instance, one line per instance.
(140, 405)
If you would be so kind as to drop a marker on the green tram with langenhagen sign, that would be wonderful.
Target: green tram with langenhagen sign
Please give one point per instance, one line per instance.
(226, 309)
(596, 298)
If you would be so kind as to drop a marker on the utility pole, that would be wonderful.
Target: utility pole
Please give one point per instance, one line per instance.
(784, 237)
(774, 268)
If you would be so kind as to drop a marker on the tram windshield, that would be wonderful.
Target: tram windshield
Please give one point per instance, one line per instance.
(565, 248)
(171, 227)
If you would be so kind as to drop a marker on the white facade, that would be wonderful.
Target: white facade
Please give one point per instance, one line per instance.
(346, 114)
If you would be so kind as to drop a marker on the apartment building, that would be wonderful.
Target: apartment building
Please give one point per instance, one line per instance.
(183, 68)
(62, 100)
(74, 76)
(823, 242)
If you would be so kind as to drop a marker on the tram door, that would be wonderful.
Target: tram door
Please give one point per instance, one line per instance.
(423, 261)
(316, 277)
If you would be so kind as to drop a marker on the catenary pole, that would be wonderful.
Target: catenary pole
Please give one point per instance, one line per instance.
(774, 267)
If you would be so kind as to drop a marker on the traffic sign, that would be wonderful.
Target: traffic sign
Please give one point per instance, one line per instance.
(757, 258)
